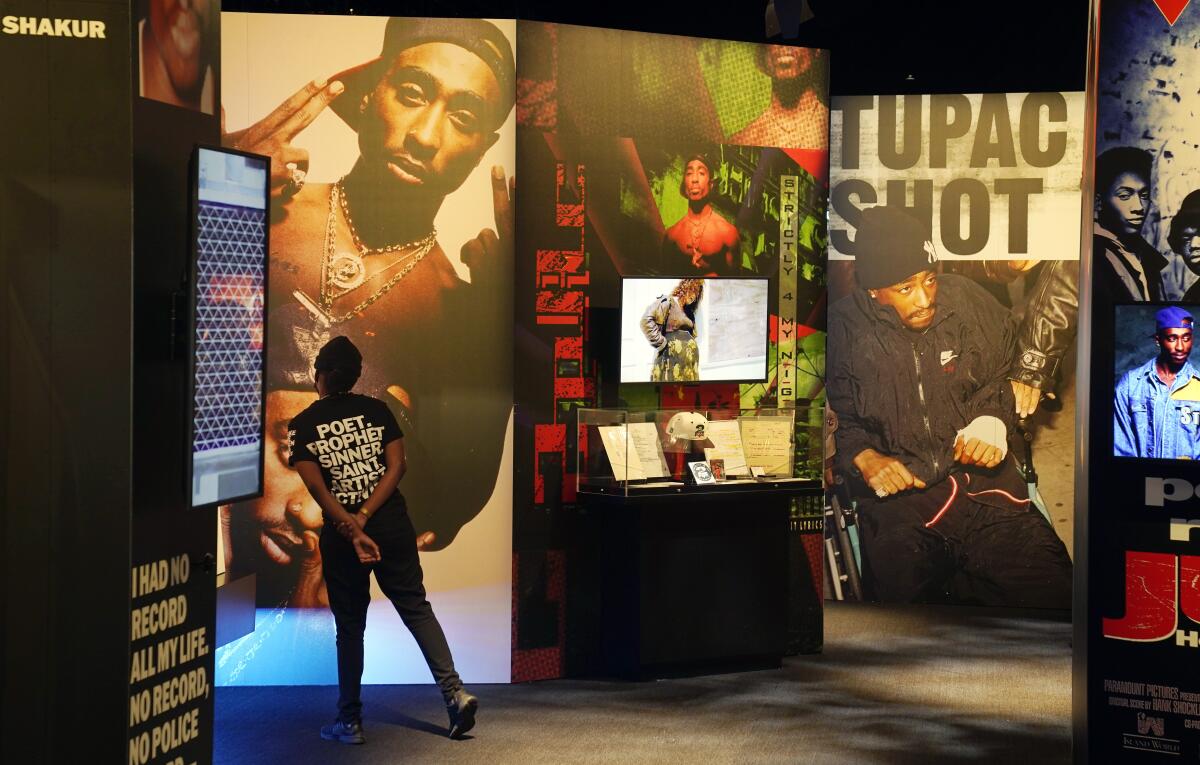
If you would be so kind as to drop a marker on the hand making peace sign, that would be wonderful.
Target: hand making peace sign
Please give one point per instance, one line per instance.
(273, 134)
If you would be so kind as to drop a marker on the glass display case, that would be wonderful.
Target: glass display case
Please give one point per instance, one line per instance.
(631, 451)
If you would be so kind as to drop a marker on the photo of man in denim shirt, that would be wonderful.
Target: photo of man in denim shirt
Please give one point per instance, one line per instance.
(1157, 407)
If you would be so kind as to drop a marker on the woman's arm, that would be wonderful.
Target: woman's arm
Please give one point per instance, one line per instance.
(310, 473)
(396, 467)
(653, 321)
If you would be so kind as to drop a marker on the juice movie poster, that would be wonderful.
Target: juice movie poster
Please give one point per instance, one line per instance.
(1143, 594)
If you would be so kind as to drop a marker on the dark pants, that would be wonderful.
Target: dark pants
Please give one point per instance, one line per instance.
(399, 575)
(976, 553)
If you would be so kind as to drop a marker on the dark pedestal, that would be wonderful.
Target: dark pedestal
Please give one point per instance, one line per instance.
(690, 583)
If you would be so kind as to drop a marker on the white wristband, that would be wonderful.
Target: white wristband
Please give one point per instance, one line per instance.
(988, 429)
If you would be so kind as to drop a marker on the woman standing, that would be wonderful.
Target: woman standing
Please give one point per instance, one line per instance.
(670, 326)
(349, 451)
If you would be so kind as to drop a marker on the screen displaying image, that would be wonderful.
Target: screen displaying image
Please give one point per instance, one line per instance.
(1156, 403)
(686, 330)
(229, 283)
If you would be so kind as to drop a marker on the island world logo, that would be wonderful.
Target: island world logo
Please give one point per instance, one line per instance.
(1155, 726)
(1151, 736)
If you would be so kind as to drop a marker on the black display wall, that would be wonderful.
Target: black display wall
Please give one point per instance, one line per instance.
(94, 409)
(165, 527)
(65, 359)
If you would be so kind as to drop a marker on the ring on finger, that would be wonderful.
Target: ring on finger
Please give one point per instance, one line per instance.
(296, 177)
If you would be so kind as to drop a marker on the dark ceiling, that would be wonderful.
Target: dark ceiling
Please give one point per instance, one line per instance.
(878, 47)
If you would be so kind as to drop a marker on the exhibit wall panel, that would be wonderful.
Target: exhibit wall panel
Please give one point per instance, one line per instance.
(436, 336)
(65, 359)
(1139, 629)
(993, 175)
(608, 123)
(172, 576)
(994, 181)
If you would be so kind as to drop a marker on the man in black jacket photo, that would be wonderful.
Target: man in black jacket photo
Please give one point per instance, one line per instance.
(918, 379)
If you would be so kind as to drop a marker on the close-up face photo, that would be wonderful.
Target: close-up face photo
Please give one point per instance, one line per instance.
(1123, 206)
(432, 117)
(786, 62)
(696, 181)
(914, 299)
(182, 29)
(1175, 344)
(1189, 247)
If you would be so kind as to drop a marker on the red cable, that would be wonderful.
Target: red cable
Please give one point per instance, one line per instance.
(1005, 494)
(945, 507)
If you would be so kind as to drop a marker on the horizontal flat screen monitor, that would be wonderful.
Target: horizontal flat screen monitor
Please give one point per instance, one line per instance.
(690, 330)
(1156, 398)
(229, 282)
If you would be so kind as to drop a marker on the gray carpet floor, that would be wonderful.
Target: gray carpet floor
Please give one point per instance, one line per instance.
(893, 685)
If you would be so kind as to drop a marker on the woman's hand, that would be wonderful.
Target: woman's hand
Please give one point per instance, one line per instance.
(368, 551)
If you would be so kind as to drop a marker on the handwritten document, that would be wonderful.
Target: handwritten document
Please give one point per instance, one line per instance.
(646, 444)
(726, 437)
(768, 443)
(616, 446)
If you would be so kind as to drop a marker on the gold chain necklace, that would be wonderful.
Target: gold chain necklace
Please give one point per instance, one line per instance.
(698, 231)
(340, 189)
(347, 272)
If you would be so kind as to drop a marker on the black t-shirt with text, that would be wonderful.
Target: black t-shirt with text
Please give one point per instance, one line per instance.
(345, 434)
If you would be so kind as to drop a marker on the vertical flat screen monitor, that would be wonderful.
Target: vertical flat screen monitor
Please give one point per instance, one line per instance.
(694, 329)
(228, 337)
